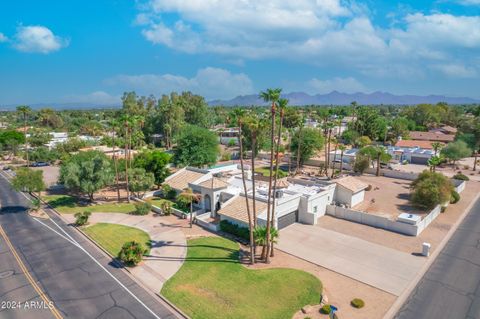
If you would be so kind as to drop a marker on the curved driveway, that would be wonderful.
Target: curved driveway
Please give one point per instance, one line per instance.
(169, 246)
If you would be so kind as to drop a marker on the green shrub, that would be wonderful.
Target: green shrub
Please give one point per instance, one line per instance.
(361, 164)
(357, 303)
(142, 209)
(234, 229)
(82, 218)
(461, 177)
(131, 253)
(325, 309)
(168, 192)
(231, 143)
(455, 197)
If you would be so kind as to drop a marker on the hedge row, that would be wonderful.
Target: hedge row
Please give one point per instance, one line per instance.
(235, 230)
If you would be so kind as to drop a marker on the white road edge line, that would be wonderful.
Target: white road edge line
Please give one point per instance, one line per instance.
(75, 243)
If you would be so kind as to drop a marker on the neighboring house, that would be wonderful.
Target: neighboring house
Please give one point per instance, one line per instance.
(227, 135)
(412, 151)
(431, 136)
(349, 191)
(348, 156)
(446, 129)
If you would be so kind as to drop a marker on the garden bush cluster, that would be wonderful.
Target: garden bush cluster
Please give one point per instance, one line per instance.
(142, 209)
(234, 229)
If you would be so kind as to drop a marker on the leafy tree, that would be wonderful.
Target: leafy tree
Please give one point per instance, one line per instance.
(25, 111)
(43, 154)
(7, 137)
(430, 189)
(47, 117)
(39, 139)
(140, 181)
(155, 162)
(456, 151)
(311, 142)
(349, 136)
(87, 173)
(361, 163)
(142, 209)
(434, 161)
(197, 147)
(363, 141)
(28, 180)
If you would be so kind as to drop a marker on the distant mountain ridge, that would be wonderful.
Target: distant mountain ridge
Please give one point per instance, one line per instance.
(338, 98)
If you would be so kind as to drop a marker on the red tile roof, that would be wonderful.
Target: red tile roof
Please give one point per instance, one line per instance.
(415, 143)
(429, 136)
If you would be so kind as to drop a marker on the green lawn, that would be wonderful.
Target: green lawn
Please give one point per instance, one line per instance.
(113, 236)
(66, 204)
(213, 284)
(265, 171)
(157, 201)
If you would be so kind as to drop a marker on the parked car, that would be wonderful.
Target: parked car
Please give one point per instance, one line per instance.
(39, 164)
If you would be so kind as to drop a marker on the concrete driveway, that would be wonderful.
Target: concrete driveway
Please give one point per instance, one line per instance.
(381, 267)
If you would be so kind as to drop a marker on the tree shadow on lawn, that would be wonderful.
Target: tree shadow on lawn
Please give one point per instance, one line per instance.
(232, 258)
(65, 201)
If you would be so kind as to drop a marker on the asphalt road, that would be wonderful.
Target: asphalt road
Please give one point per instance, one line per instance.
(63, 273)
(451, 287)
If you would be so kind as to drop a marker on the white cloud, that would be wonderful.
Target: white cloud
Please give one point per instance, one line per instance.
(3, 37)
(344, 85)
(97, 97)
(38, 39)
(208, 82)
(456, 70)
(335, 34)
(469, 2)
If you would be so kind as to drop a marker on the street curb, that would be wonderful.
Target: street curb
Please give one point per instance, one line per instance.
(392, 312)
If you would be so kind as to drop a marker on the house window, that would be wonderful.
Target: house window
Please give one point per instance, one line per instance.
(315, 209)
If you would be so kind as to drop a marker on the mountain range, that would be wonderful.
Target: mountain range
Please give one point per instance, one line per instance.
(338, 98)
(296, 99)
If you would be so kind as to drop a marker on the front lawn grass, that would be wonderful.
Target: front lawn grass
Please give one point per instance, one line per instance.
(113, 236)
(213, 284)
(66, 204)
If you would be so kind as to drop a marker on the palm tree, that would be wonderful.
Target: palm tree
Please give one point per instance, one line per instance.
(189, 196)
(342, 148)
(299, 144)
(114, 125)
(25, 110)
(282, 104)
(260, 234)
(239, 114)
(436, 147)
(270, 95)
(377, 152)
(335, 141)
(126, 124)
(434, 161)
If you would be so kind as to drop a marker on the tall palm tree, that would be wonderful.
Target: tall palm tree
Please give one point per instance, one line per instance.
(379, 153)
(282, 104)
(299, 144)
(270, 95)
(25, 110)
(113, 126)
(334, 141)
(126, 119)
(189, 197)
(342, 148)
(436, 147)
(239, 114)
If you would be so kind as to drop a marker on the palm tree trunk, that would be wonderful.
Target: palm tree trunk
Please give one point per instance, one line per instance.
(378, 165)
(254, 201)
(475, 156)
(299, 146)
(270, 180)
(250, 224)
(328, 152)
(126, 164)
(25, 134)
(341, 161)
(289, 152)
(115, 163)
(279, 136)
(334, 158)
(191, 213)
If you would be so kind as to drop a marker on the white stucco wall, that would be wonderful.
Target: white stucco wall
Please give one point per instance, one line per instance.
(357, 198)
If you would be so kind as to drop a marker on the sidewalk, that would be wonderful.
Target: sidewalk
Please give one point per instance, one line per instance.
(168, 251)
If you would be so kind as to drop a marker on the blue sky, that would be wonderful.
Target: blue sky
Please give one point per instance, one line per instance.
(92, 51)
